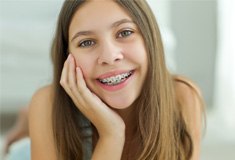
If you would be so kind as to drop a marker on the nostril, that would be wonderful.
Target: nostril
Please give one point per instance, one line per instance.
(117, 59)
(110, 58)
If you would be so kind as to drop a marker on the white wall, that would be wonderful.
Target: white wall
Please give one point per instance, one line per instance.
(26, 29)
(194, 24)
(161, 10)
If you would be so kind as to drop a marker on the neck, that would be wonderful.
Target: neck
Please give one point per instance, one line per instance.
(132, 141)
(130, 119)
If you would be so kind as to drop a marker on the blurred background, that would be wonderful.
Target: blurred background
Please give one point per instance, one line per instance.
(199, 41)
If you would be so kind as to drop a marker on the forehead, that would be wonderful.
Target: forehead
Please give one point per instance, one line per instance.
(97, 13)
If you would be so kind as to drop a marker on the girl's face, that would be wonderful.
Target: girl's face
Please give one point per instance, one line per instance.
(110, 50)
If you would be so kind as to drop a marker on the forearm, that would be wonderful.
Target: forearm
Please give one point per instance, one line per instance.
(109, 148)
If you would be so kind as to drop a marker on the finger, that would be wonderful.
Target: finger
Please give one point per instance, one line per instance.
(90, 100)
(81, 84)
(68, 80)
(84, 91)
(72, 83)
(64, 78)
(71, 75)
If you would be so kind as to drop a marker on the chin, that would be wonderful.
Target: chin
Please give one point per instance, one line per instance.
(120, 103)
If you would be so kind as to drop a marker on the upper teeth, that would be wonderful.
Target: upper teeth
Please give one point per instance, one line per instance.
(115, 79)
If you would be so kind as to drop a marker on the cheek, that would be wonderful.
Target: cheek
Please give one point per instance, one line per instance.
(86, 63)
(136, 52)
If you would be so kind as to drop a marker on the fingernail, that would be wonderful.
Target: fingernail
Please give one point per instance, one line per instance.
(77, 69)
(70, 57)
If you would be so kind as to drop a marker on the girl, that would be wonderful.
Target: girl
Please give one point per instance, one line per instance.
(112, 97)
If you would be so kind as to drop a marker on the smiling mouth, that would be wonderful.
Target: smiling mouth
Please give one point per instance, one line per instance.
(115, 80)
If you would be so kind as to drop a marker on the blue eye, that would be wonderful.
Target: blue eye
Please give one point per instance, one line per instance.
(125, 33)
(86, 43)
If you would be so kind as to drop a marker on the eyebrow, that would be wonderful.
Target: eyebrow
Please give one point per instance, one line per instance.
(118, 23)
(115, 24)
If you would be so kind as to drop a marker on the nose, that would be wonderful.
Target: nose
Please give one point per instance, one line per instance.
(110, 53)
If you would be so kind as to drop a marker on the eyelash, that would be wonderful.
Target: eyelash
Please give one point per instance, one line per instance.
(83, 44)
(123, 34)
(120, 34)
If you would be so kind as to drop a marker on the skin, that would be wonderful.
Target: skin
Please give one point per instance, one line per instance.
(114, 44)
(42, 144)
(118, 47)
(187, 94)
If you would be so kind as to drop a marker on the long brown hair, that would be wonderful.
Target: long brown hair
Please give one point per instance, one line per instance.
(161, 128)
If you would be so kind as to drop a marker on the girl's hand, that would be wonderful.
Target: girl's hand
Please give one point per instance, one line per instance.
(107, 122)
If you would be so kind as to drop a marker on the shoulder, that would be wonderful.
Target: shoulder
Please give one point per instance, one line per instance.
(44, 93)
(189, 99)
(40, 124)
(41, 102)
(190, 102)
(187, 93)
(184, 85)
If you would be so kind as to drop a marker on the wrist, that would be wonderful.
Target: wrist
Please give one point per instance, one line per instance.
(117, 132)
(117, 140)
(109, 147)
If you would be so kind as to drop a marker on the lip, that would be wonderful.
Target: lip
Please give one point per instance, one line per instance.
(118, 86)
(113, 73)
